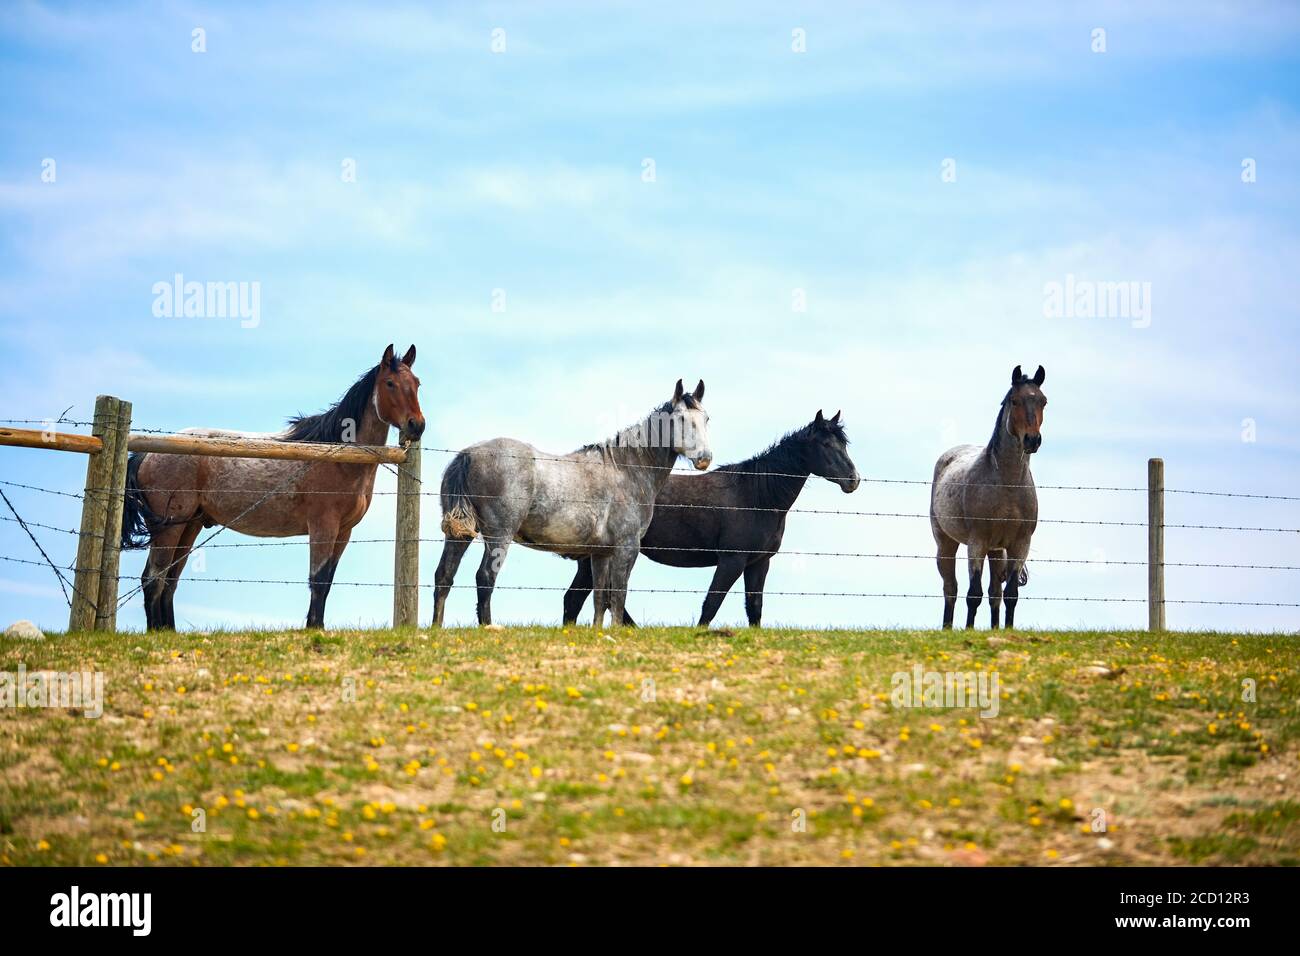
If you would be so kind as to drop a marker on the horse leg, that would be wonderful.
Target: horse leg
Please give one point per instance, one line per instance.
(180, 554)
(600, 587)
(975, 559)
(151, 589)
(1016, 559)
(947, 560)
(324, 538)
(494, 555)
(620, 571)
(453, 549)
(576, 596)
(755, 575)
(729, 569)
(997, 572)
(153, 581)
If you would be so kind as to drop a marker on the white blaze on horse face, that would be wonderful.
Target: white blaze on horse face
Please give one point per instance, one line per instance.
(692, 435)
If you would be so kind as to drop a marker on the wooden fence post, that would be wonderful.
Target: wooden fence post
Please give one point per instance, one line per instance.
(109, 564)
(94, 518)
(406, 547)
(1156, 544)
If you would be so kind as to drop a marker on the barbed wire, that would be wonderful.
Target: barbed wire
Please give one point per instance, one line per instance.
(570, 458)
(50, 527)
(793, 552)
(64, 584)
(1095, 522)
(856, 594)
(1090, 561)
(49, 491)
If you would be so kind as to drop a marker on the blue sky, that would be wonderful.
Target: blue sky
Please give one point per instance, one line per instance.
(775, 171)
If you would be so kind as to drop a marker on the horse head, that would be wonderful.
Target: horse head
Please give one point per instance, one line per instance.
(396, 397)
(690, 431)
(1026, 401)
(826, 452)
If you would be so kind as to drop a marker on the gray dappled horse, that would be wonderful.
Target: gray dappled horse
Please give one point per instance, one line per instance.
(595, 502)
(983, 496)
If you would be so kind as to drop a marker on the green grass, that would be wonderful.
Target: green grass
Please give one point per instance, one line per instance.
(536, 745)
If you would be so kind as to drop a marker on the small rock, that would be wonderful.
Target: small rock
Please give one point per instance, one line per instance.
(24, 630)
(1102, 671)
(494, 627)
(1105, 843)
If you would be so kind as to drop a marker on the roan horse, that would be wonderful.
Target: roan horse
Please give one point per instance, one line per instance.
(734, 517)
(983, 496)
(171, 498)
(592, 503)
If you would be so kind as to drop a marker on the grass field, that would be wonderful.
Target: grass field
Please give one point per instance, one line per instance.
(654, 746)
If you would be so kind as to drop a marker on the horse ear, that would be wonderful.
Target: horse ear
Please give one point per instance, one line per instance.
(699, 391)
(409, 358)
(1040, 376)
(1016, 376)
(836, 419)
(388, 355)
(819, 419)
(678, 392)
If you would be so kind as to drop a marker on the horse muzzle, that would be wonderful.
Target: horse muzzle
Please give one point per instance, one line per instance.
(412, 430)
(849, 485)
(1032, 443)
(702, 463)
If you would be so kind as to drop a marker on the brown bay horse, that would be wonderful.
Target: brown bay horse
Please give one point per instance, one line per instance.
(983, 496)
(171, 498)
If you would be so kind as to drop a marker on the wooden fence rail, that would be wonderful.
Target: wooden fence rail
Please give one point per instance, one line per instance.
(53, 441)
(95, 580)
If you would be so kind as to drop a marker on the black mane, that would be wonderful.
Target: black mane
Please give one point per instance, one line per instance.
(327, 426)
(995, 443)
(783, 451)
(775, 475)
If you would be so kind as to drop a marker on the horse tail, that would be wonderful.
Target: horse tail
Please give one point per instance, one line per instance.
(138, 519)
(1024, 574)
(458, 520)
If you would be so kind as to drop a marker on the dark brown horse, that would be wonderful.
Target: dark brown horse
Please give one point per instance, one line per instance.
(733, 518)
(171, 498)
